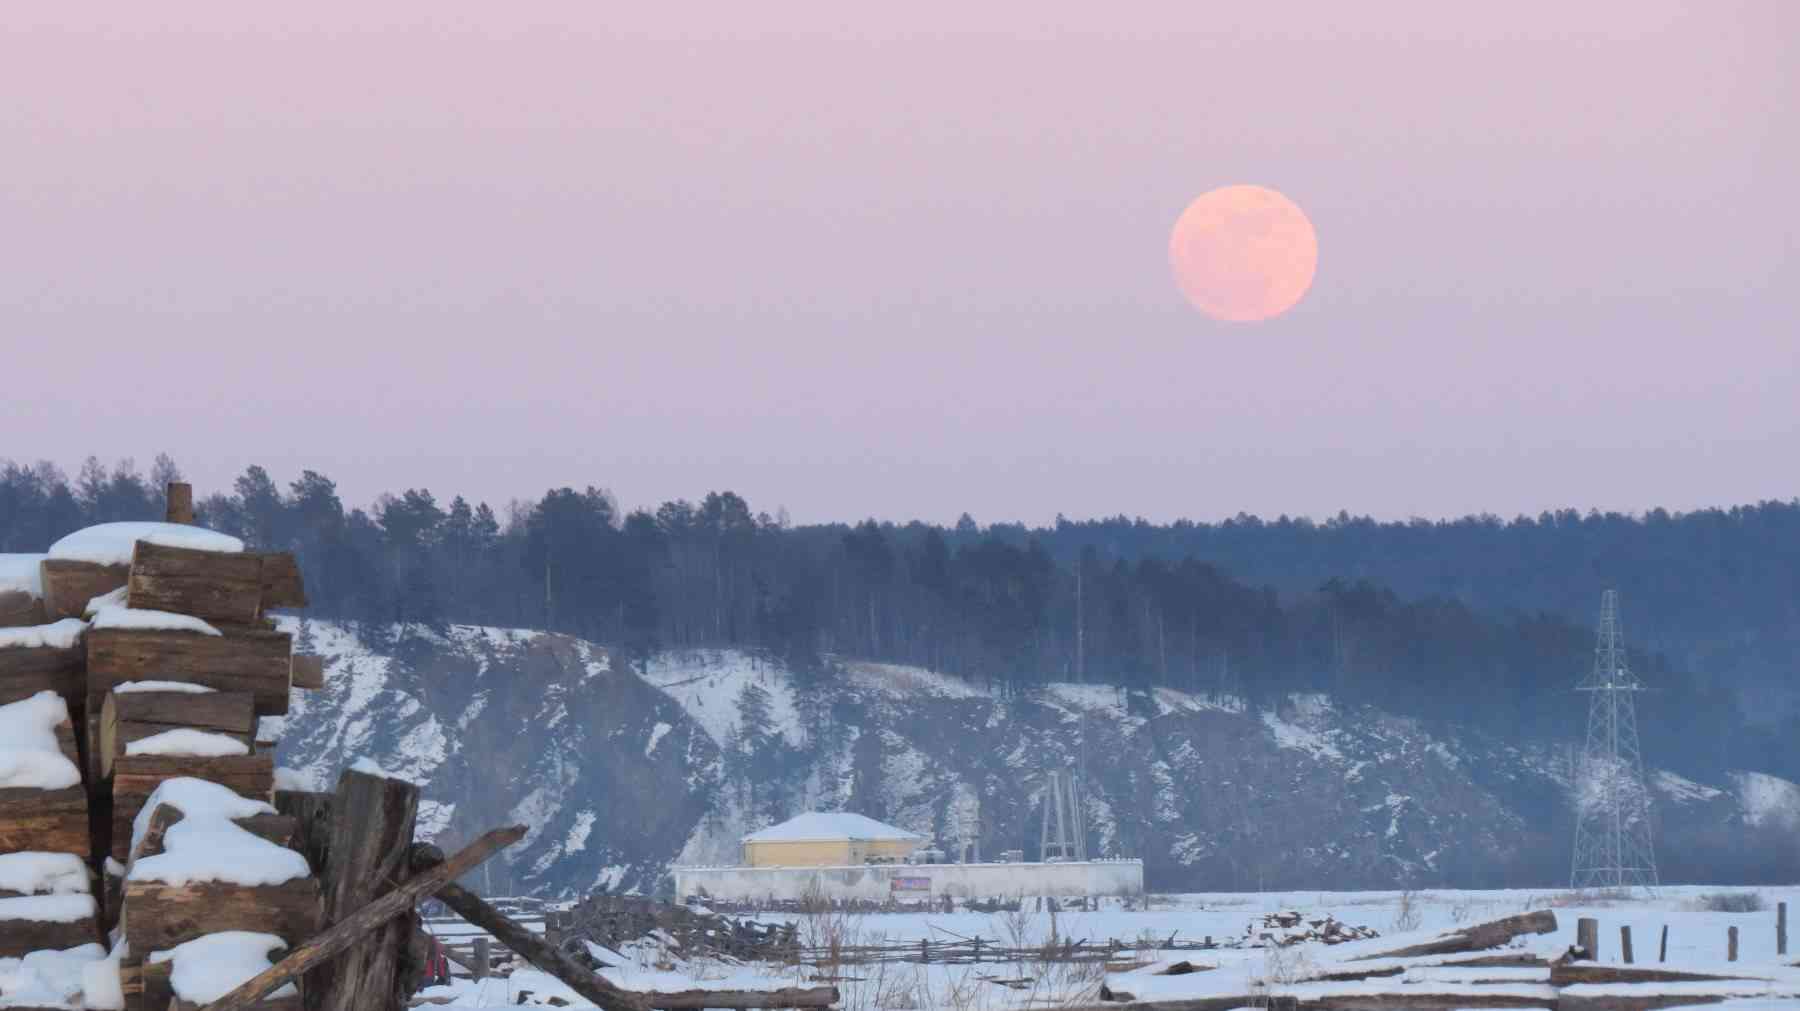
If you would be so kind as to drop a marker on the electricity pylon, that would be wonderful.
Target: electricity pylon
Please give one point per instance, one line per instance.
(1612, 800)
(1064, 835)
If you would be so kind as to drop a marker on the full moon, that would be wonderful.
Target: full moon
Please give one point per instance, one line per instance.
(1243, 253)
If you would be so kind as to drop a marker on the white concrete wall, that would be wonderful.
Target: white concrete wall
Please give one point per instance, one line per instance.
(877, 883)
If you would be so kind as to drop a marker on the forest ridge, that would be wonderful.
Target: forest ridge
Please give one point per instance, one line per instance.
(1476, 620)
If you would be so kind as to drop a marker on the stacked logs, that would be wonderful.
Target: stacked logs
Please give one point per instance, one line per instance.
(171, 683)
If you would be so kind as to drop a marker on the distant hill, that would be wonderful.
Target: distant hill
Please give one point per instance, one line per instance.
(621, 774)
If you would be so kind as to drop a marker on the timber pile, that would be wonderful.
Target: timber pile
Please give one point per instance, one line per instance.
(1289, 928)
(616, 921)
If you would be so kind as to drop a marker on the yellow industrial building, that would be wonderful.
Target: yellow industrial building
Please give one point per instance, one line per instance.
(829, 839)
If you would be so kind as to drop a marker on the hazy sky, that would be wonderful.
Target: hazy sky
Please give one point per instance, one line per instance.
(906, 260)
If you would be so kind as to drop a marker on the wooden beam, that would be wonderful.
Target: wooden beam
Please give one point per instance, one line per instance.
(44, 821)
(371, 833)
(159, 917)
(248, 661)
(69, 585)
(281, 582)
(308, 671)
(797, 997)
(342, 935)
(21, 936)
(527, 944)
(137, 715)
(1475, 938)
(180, 503)
(312, 824)
(27, 670)
(222, 586)
(18, 609)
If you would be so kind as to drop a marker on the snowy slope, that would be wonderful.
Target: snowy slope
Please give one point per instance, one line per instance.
(620, 774)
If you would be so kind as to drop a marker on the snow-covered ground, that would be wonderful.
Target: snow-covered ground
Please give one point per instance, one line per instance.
(1697, 942)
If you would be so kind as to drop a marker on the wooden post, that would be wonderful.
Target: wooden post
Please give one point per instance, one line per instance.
(1780, 928)
(484, 958)
(1662, 951)
(1730, 944)
(371, 834)
(340, 936)
(1587, 935)
(1625, 942)
(181, 502)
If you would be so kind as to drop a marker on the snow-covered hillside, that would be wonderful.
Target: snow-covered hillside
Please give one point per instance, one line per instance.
(620, 774)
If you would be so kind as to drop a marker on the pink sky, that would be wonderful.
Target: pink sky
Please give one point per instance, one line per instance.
(907, 260)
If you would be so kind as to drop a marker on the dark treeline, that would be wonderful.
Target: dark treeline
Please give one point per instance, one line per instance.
(1377, 613)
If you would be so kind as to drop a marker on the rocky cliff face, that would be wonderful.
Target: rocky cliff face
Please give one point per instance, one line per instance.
(620, 774)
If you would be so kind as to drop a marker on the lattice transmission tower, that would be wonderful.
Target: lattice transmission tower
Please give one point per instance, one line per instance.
(1612, 800)
(1064, 835)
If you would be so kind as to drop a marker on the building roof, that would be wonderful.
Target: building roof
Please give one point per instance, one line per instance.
(830, 826)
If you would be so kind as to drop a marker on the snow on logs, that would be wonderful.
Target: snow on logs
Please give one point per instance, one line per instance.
(43, 807)
(21, 591)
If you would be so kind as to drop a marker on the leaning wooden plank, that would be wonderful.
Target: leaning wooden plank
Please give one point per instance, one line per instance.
(160, 916)
(1475, 938)
(342, 935)
(528, 945)
(37, 922)
(251, 661)
(69, 585)
(20, 608)
(281, 582)
(219, 586)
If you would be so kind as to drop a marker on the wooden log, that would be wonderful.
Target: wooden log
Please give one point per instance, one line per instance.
(276, 828)
(20, 609)
(134, 716)
(1643, 1002)
(1478, 937)
(27, 670)
(312, 824)
(1731, 944)
(281, 582)
(1587, 937)
(1625, 943)
(372, 830)
(342, 935)
(45, 821)
(226, 712)
(484, 959)
(308, 672)
(795, 997)
(139, 775)
(180, 499)
(1781, 928)
(159, 916)
(1662, 950)
(240, 661)
(525, 943)
(21, 934)
(1574, 973)
(1270, 1003)
(69, 585)
(218, 586)
(136, 777)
